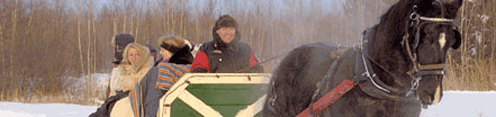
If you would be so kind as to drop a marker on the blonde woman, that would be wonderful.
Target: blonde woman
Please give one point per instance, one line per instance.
(120, 42)
(136, 62)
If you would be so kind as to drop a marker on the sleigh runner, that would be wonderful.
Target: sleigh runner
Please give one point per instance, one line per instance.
(215, 95)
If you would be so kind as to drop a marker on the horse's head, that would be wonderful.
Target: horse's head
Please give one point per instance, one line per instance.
(412, 40)
(435, 32)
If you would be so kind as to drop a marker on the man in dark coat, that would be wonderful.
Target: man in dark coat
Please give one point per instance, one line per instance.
(225, 54)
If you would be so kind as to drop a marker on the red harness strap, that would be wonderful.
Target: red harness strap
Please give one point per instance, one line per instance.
(329, 98)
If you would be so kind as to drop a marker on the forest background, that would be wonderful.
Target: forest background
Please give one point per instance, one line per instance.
(49, 49)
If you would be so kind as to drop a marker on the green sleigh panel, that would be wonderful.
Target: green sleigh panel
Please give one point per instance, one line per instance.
(215, 95)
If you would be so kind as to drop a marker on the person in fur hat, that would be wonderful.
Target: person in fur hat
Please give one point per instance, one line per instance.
(175, 49)
(225, 53)
(177, 58)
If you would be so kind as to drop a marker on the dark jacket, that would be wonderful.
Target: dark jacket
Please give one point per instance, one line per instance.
(214, 59)
(182, 56)
(219, 57)
(105, 109)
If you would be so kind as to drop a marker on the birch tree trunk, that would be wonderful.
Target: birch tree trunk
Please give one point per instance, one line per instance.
(137, 25)
(79, 39)
(181, 24)
(125, 18)
(197, 24)
(115, 20)
(172, 30)
(13, 45)
(4, 70)
(88, 55)
(2, 50)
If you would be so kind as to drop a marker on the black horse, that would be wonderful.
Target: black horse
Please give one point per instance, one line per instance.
(396, 70)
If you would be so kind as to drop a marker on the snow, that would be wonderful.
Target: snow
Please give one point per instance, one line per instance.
(453, 104)
(14, 109)
(464, 104)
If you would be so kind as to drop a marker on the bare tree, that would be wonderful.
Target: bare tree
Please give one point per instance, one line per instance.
(2, 50)
(13, 45)
(181, 24)
(89, 17)
(138, 23)
(79, 20)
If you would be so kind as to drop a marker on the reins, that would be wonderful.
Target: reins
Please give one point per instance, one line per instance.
(245, 69)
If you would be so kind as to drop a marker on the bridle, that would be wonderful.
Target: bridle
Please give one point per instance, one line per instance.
(418, 70)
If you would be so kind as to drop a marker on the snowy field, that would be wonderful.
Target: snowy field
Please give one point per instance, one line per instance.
(13, 109)
(453, 104)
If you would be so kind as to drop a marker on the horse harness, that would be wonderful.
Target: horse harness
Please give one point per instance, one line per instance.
(367, 78)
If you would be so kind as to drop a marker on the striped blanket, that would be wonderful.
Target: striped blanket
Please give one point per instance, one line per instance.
(168, 74)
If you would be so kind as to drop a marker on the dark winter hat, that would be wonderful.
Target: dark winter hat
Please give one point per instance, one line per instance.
(153, 51)
(224, 21)
(173, 43)
(120, 42)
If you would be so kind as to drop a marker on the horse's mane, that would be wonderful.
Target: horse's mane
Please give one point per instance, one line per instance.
(384, 42)
(392, 23)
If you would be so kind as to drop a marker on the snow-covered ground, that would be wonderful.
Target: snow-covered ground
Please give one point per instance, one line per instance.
(453, 104)
(464, 104)
(14, 109)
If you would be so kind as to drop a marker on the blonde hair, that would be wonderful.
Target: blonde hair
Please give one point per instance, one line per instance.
(144, 55)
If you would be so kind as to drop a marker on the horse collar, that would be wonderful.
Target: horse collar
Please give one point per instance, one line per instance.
(370, 83)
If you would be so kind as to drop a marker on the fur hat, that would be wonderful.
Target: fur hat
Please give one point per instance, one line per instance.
(173, 43)
(119, 42)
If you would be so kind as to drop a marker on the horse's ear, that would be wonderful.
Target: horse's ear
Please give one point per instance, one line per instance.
(457, 3)
(458, 40)
(452, 8)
